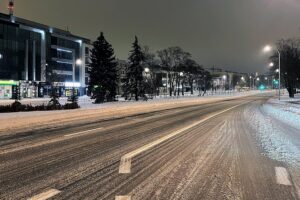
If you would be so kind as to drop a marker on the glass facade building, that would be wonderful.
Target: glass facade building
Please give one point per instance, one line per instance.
(38, 56)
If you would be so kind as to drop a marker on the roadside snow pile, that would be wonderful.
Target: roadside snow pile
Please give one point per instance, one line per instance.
(289, 115)
(273, 140)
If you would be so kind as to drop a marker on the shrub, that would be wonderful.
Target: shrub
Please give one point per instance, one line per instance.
(69, 106)
(18, 107)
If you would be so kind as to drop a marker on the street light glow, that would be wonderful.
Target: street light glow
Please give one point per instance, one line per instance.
(78, 62)
(267, 48)
(224, 77)
(271, 64)
(147, 70)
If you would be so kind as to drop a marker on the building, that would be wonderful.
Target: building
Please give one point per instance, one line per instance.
(227, 80)
(34, 56)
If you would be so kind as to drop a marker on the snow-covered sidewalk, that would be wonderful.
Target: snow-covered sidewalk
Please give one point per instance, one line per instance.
(30, 120)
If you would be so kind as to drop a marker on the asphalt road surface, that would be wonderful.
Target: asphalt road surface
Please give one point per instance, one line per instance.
(207, 151)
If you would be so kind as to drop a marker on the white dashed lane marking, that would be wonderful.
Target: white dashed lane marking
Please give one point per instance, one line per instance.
(282, 176)
(45, 195)
(123, 198)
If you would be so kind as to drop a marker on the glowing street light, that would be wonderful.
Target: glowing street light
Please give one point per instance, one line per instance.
(271, 64)
(268, 48)
(78, 62)
(147, 70)
(1, 56)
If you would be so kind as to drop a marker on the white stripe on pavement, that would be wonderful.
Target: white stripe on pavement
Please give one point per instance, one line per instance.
(125, 163)
(123, 198)
(45, 195)
(282, 176)
(83, 132)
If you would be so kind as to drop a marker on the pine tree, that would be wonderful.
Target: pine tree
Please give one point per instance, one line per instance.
(134, 81)
(103, 71)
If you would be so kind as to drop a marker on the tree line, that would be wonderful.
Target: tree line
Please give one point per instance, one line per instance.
(141, 78)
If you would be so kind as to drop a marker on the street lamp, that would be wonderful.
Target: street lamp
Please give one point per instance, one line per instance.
(224, 77)
(78, 62)
(271, 64)
(147, 70)
(268, 48)
(1, 56)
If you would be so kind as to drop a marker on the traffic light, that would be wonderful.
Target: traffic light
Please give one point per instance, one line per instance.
(262, 87)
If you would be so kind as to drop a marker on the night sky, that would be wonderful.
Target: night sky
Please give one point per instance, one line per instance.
(223, 33)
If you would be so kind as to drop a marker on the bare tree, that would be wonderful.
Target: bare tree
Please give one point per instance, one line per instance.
(171, 59)
(290, 63)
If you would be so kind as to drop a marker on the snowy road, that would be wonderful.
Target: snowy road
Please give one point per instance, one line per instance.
(218, 150)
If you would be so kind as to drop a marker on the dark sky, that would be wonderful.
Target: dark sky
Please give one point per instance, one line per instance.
(224, 33)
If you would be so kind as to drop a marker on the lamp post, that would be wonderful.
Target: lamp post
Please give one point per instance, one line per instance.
(225, 81)
(147, 71)
(181, 74)
(268, 48)
(78, 63)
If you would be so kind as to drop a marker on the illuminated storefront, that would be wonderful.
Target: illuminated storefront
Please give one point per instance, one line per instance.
(7, 88)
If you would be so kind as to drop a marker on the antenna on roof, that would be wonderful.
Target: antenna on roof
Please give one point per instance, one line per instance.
(11, 7)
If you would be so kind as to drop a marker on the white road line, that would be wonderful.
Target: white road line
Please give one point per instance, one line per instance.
(45, 195)
(123, 198)
(125, 163)
(83, 132)
(282, 176)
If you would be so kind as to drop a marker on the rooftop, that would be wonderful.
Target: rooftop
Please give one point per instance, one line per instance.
(46, 28)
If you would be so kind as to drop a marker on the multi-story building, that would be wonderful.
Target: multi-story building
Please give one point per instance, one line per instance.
(34, 56)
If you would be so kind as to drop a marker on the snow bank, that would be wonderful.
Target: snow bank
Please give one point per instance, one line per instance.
(279, 140)
(277, 145)
(289, 115)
